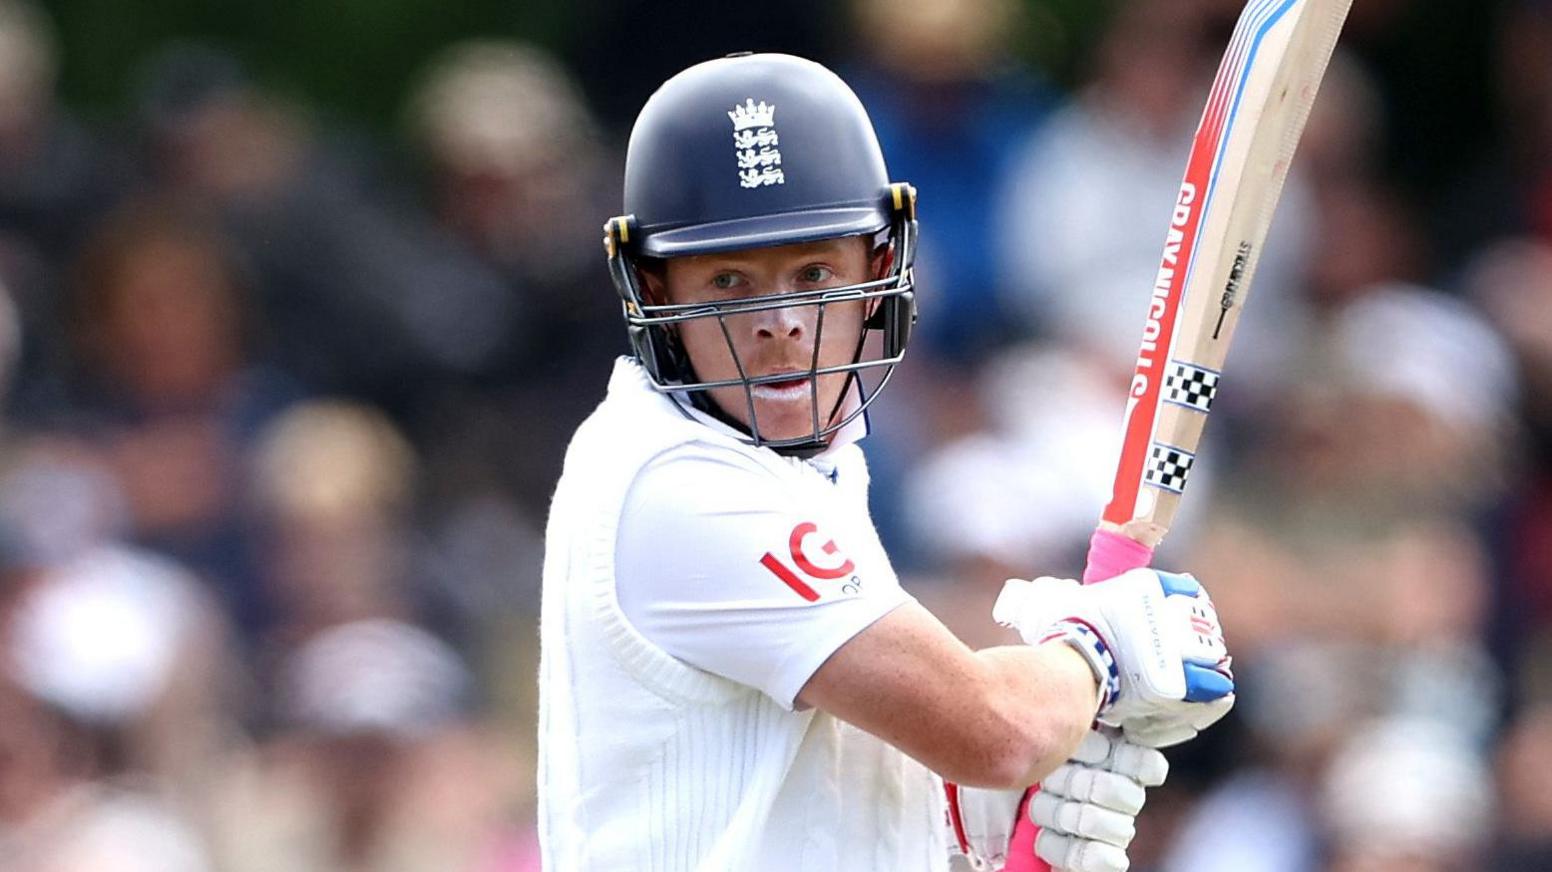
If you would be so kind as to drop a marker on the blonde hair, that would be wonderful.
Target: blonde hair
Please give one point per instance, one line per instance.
(498, 104)
(331, 459)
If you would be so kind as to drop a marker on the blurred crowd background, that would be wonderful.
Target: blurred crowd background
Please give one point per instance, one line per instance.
(301, 303)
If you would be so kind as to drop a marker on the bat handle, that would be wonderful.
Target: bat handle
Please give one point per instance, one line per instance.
(1021, 848)
(1110, 554)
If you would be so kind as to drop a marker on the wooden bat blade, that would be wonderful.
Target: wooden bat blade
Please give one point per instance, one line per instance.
(1239, 159)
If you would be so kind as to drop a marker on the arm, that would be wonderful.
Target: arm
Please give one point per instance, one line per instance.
(737, 572)
(1002, 717)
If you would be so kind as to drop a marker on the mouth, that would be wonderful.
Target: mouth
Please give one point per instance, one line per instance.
(787, 389)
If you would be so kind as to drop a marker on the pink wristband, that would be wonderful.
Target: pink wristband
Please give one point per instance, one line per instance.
(1111, 554)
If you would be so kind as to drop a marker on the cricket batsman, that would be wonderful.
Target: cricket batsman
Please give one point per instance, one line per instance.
(732, 677)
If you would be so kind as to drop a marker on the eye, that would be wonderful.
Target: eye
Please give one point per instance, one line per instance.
(815, 273)
(725, 281)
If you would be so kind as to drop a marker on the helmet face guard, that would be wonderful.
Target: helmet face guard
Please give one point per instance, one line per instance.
(890, 302)
(756, 151)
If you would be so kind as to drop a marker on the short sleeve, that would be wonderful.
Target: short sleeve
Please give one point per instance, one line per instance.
(745, 573)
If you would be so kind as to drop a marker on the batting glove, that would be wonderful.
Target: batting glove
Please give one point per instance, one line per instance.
(1087, 808)
(981, 822)
(1152, 638)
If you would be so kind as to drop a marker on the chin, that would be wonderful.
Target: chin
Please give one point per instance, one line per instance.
(782, 413)
(792, 420)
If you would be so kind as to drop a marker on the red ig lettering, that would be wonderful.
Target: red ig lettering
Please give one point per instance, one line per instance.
(795, 545)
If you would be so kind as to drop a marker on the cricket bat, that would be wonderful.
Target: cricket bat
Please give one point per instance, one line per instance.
(1255, 113)
(1234, 176)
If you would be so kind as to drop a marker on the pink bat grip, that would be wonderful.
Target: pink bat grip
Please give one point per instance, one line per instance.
(1021, 848)
(1110, 554)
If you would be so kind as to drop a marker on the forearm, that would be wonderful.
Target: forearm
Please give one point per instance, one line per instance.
(1051, 691)
(1000, 717)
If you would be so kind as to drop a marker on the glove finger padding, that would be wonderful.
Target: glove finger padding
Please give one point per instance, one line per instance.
(1097, 787)
(1095, 747)
(1084, 820)
(1143, 765)
(1105, 748)
(1077, 855)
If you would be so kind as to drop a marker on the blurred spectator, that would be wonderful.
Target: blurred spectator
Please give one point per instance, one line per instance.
(54, 178)
(1084, 218)
(10, 339)
(167, 387)
(1508, 190)
(1525, 804)
(1512, 281)
(952, 106)
(1437, 385)
(514, 160)
(1025, 491)
(515, 183)
(360, 297)
(379, 768)
(58, 498)
(112, 689)
(377, 763)
(1344, 137)
(1365, 237)
(332, 485)
(1406, 795)
(1348, 770)
(1369, 480)
(1364, 232)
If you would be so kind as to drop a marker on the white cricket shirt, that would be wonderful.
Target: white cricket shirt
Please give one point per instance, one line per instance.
(692, 585)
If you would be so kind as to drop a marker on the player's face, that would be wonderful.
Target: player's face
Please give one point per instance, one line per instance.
(774, 340)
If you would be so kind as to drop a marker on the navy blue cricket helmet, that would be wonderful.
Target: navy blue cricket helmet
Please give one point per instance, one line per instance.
(751, 151)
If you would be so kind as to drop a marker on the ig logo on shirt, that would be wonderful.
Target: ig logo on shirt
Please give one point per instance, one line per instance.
(800, 534)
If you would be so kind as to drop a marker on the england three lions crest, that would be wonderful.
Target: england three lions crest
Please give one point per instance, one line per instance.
(754, 144)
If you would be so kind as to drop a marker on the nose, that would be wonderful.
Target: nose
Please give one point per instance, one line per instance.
(778, 323)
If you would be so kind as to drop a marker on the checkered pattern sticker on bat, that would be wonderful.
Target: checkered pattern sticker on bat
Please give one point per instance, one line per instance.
(1168, 467)
(1191, 386)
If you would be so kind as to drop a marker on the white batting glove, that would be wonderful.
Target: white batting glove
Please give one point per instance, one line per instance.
(1087, 808)
(981, 822)
(1152, 639)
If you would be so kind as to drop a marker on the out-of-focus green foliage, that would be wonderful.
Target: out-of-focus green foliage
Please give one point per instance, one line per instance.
(353, 58)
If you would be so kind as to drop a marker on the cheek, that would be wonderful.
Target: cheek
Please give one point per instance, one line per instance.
(843, 325)
(707, 346)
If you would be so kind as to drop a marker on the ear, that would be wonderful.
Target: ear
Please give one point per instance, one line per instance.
(883, 260)
(654, 283)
